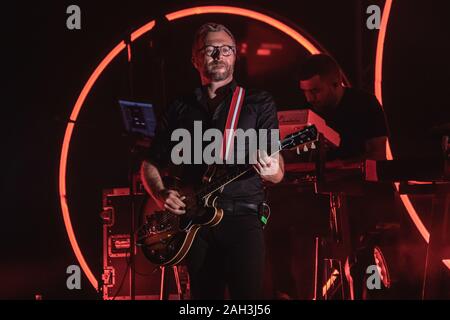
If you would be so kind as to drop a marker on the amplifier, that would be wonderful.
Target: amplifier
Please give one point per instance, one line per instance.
(295, 120)
(117, 270)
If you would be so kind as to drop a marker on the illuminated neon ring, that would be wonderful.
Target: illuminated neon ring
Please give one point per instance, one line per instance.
(302, 40)
(378, 92)
(205, 10)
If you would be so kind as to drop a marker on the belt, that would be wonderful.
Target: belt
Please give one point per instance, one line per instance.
(238, 207)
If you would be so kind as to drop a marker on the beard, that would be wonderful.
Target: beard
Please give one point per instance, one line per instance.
(218, 70)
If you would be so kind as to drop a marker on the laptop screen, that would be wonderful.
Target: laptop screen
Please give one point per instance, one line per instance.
(138, 117)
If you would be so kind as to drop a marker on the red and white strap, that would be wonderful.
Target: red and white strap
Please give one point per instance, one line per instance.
(232, 122)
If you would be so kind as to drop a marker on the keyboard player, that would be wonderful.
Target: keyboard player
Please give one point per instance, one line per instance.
(356, 115)
(358, 118)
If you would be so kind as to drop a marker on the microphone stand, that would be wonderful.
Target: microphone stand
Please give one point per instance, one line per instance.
(131, 179)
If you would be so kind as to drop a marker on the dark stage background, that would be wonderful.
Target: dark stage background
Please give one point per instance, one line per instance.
(47, 66)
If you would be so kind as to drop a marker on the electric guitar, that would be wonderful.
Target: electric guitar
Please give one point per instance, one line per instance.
(165, 237)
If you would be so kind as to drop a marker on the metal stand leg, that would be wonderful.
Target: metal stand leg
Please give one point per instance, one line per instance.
(316, 269)
(333, 254)
(177, 282)
(164, 290)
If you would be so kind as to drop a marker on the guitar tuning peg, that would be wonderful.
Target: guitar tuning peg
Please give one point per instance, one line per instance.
(312, 146)
(298, 150)
(305, 148)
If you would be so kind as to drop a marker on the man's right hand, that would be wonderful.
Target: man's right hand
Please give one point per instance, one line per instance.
(173, 201)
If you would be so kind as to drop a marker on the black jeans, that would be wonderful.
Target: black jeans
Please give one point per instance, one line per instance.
(231, 253)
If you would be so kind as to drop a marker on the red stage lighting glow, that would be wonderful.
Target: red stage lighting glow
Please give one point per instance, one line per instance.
(378, 92)
(263, 52)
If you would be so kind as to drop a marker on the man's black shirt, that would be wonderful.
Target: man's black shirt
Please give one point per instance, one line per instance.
(357, 118)
(258, 112)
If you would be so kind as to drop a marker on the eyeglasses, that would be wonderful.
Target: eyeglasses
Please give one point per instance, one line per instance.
(224, 50)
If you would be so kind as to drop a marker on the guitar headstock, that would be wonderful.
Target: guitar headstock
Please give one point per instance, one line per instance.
(303, 140)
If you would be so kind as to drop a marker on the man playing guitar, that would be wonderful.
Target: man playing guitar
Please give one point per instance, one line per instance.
(232, 252)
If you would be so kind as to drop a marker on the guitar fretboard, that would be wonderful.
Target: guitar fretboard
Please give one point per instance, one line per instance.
(300, 138)
(239, 171)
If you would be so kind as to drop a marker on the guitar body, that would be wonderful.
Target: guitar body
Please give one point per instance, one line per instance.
(165, 237)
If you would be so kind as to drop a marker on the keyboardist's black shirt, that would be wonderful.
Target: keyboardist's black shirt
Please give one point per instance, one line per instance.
(358, 118)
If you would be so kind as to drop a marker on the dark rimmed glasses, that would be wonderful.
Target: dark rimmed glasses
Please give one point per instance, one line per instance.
(224, 50)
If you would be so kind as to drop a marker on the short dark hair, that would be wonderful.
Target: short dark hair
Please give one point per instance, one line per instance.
(319, 64)
(202, 32)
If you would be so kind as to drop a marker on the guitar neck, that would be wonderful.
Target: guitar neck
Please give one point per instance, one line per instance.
(301, 138)
(223, 181)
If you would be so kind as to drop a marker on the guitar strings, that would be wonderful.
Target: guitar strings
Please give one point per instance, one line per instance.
(234, 178)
